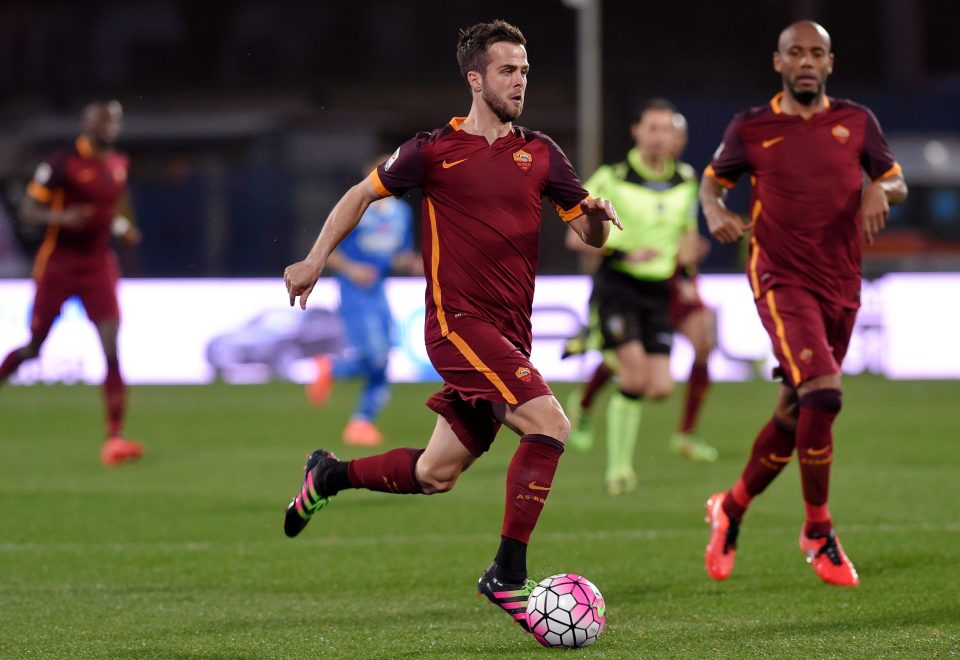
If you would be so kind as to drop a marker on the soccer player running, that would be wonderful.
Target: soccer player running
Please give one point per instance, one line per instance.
(688, 316)
(383, 241)
(75, 193)
(657, 198)
(482, 179)
(806, 154)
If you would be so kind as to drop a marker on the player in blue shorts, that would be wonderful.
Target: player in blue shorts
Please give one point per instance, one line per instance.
(382, 242)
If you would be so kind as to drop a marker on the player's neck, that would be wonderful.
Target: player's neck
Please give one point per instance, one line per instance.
(91, 147)
(791, 106)
(482, 121)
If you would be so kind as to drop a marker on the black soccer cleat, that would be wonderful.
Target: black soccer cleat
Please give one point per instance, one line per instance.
(309, 500)
(511, 598)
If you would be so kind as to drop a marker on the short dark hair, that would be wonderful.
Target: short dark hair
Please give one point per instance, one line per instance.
(476, 39)
(655, 103)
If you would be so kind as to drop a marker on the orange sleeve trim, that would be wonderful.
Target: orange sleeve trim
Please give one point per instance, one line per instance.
(893, 171)
(782, 335)
(478, 364)
(726, 183)
(574, 212)
(38, 192)
(435, 269)
(378, 185)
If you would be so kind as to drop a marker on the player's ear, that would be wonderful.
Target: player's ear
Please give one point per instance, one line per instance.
(777, 62)
(475, 80)
(830, 64)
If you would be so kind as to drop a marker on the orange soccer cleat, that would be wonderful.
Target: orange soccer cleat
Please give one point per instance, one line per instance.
(361, 433)
(118, 450)
(721, 550)
(318, 391)
(828, 559)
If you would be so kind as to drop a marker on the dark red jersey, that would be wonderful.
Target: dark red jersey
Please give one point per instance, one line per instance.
(481, 220)
(76, 176)
(807, 178)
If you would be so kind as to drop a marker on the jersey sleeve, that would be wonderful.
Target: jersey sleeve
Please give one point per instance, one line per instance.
(402, 171)
(563, 186)
(730, 159)
(47, 179)
(877, 159)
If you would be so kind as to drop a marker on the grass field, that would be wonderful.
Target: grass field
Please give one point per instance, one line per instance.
(182, 555)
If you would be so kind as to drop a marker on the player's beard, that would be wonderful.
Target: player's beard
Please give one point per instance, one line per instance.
(499, 107)
(806, 97)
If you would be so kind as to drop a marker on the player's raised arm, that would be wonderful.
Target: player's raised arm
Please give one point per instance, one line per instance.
(725, 225)
(301, 277)
(593, 225)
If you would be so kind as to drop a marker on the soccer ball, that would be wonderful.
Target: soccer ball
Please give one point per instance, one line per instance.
(566, 610)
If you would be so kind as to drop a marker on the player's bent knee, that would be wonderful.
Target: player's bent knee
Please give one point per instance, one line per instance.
(437, 480)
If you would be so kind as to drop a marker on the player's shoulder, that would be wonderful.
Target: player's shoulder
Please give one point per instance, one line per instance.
(840, 105)
(754, 113)
(60, 156)
(531, 135)
(686, 171)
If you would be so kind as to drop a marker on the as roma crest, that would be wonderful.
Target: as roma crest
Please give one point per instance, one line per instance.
(523, 160)
(840, 133)
(523, 373)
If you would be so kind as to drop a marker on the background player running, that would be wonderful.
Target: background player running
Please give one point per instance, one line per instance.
(482, 180)
(657, 197)
(810, 213)
(382, 241)
(75, 193)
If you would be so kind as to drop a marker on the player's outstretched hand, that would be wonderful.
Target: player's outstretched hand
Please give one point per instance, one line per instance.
(726, 226)
(601, 208)
(874, 209)
(300, 279)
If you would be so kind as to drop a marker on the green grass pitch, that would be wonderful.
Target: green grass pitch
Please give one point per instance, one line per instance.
(182, 555)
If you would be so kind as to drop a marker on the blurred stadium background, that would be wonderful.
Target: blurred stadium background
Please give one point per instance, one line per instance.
(246, 120)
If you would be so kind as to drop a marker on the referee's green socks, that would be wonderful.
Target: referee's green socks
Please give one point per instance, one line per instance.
(624, 412)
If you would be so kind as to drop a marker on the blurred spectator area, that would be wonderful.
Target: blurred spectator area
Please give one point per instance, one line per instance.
(246, 121)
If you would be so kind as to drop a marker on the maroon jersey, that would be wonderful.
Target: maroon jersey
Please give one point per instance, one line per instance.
(76, 176)
(481, 220)
(807, 178)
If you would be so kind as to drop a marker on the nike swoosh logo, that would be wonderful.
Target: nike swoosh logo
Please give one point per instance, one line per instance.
(447, 165)
(533, 486)
(817, 452)
(780, 459)
(766, 144)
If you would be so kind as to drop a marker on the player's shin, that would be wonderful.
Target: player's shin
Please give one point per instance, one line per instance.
(818, 409)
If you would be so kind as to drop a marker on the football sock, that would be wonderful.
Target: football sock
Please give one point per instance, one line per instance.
(115, 397)
(10, 364)
(601, 376)
(391, 472)
(624, 412)
(697, 386)
(529, 479)
(375, 395)
(511, 560)
(818, 409)
(772, 450)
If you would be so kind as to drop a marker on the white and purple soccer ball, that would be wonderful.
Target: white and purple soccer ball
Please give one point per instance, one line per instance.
(566, 610)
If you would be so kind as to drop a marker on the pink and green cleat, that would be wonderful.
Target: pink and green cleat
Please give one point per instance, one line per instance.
(510, 597)
(309, 500)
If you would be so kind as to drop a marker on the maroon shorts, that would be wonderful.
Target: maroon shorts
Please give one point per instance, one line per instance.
(480, 367)
(92, 279)
(810, 335)
(680, 310)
